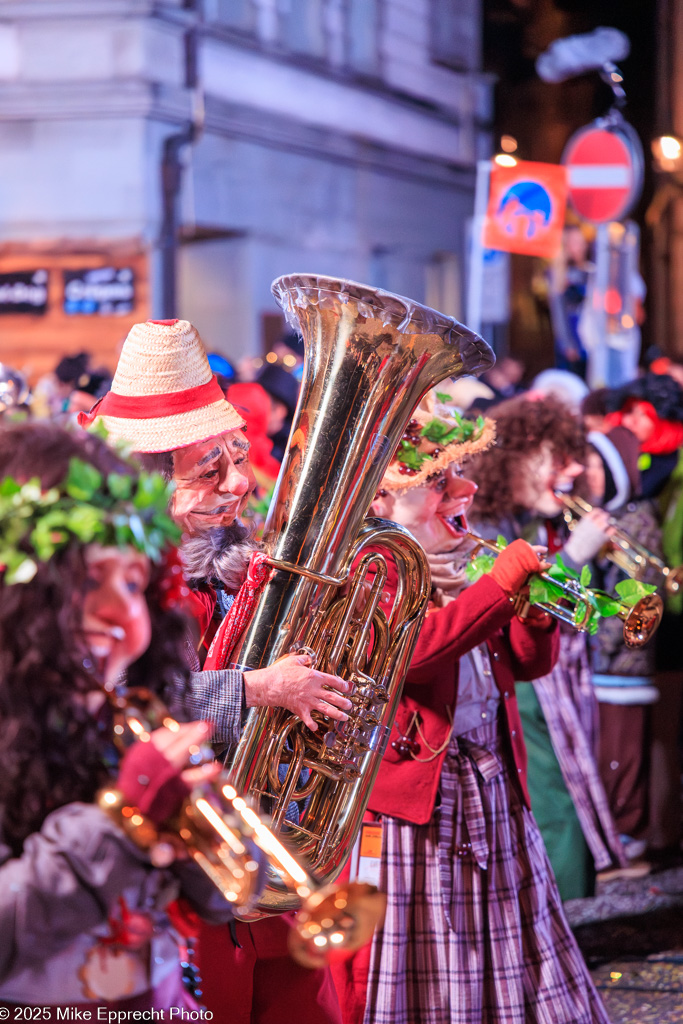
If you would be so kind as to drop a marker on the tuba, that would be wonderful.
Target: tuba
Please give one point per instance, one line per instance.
(370, 358)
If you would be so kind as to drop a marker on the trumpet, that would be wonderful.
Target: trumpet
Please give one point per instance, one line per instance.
(626, 552)
(576, 606)
(218, 831)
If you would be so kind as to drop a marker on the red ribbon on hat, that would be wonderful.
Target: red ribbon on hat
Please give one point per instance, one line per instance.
(232, 626)
(148, 407)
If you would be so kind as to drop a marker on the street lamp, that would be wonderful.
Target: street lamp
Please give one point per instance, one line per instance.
(668, 153)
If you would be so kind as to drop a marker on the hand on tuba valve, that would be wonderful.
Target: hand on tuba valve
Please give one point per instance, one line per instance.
(568, 598)
(223, 835)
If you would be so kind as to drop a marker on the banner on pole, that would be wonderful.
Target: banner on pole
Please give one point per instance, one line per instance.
(526, 208)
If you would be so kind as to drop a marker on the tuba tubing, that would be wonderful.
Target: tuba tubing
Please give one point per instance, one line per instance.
(370, 358)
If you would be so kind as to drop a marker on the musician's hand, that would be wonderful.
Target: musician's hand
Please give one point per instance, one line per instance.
(515, 564)
(155, 776)
(589, 535)
(178, 746)
(291, 683)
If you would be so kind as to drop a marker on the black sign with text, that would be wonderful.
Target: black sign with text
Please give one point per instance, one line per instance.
(99, 291)
(24, 291)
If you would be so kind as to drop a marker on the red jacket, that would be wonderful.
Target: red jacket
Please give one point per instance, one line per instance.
(406, 788)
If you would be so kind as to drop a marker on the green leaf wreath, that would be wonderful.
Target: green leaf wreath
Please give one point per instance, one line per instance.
(115, 510)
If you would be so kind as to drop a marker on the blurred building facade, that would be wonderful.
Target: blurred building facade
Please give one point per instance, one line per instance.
(171, 157)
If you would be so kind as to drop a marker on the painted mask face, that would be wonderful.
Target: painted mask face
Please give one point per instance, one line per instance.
(213, 482)
(436, 512)
(116, 622)
(538, 476)
(636, 419)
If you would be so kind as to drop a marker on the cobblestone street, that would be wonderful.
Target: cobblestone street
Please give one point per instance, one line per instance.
(631, 934)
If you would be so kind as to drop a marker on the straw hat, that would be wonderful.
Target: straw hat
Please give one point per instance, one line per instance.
(435, 437)
(164, 395)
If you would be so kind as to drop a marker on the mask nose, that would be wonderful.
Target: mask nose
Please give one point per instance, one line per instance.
(460, 487)
(235, 481)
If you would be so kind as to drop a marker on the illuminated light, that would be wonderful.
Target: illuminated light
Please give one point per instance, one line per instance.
(109, 797)
(136, 819)
(289, 360)
(616, 77)
(127, 812)
(337, 938)
(250, 817)
(215, 820)
(231, 897)
(320, 940)
(670, 147)
(314, 928)
(615, 975)
(238, 873)
(271, 358)
(269, 844)
(229, 793)
(257, 363)
(239, 804)
(612, 301)
(193, 750)
(136, 727)
(118, 729)
(251, 865)
(171, 725)
(508, 143)
(303, 891)
(505, 160)
(327, 922)
(340, 903)
(627, 321)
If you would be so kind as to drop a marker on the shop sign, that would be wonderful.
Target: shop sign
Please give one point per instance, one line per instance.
(24, 291)
(99, 291)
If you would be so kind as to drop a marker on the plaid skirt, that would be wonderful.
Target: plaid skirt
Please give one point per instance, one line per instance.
(570, 709)
(475, 932)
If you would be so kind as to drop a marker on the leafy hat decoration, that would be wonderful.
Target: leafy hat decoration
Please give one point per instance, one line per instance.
(437, 436)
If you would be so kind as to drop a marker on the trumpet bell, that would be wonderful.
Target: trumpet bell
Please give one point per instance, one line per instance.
(641, 621)
(335, 922)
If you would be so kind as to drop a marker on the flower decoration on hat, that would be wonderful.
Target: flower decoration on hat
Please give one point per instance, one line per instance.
(114, 510)
(437, 435)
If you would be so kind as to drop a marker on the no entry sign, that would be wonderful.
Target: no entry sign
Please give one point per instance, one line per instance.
(604, 171)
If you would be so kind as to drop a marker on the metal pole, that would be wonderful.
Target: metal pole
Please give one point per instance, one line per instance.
(476, 263)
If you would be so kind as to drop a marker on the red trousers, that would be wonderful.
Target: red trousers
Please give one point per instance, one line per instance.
(260, 983)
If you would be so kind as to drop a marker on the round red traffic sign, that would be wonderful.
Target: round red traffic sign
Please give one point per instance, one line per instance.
(604, 171)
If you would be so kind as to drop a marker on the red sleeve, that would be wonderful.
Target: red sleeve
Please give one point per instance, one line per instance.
(461, 625)
(201, 604)
(535, 649)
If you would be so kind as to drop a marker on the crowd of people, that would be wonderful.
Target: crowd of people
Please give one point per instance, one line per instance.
(526, 757)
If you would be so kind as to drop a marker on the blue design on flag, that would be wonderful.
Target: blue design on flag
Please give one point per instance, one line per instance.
(526, 204)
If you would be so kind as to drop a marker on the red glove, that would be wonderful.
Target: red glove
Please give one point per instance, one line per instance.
(151, 783)
(514, 565)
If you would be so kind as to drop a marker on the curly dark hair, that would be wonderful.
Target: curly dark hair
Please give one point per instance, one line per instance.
(522, 427)
(52, 750)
